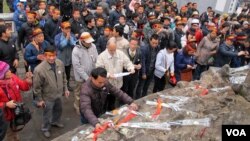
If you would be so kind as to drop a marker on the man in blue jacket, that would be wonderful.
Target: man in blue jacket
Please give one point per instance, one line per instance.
(19, 16)
(64, 42)
(226, 52)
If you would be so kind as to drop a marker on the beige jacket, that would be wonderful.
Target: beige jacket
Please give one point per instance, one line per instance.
(114, 65)
(47, 85)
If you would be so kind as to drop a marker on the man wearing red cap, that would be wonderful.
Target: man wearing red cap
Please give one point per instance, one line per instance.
(239, 46)
(226, 52)
(26, 29)
(52, 26)
(64, 42)
(34, 52)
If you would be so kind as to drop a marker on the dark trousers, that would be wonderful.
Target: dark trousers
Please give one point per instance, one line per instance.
(67, 71)
(1, 6)
(199, 69)
(143, 85)
(159, 84)
(51, 113)
(129, 84)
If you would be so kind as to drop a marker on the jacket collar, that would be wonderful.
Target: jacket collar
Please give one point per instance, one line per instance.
(48, 66)
(90, 83)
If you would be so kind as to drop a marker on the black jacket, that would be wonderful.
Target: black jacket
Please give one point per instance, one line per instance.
(8, 53)
(51, 29)
(101, 44)
(76, 26)
(177, 36)
(225, 54)
(25, 32)
(92, 99)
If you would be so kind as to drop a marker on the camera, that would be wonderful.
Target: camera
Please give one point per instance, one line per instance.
(19, 109)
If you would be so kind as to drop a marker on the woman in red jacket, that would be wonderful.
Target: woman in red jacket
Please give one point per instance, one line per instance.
(10, 86)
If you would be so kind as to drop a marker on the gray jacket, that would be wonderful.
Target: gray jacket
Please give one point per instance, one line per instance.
(48, 85)
(83, 60)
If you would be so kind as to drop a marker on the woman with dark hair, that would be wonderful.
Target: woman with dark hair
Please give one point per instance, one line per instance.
(164, 66)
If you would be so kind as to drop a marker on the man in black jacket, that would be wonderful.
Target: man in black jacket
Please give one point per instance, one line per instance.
(26, 29)
(94, 94)
(3, 125)
(77, 23)
(52, 27)
(134, 54)
(178, 33)
(103, 39)
(8, 51)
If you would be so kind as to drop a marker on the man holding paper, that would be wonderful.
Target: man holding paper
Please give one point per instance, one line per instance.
(114, 61)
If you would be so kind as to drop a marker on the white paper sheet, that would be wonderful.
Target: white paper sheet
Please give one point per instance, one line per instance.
(117, 75)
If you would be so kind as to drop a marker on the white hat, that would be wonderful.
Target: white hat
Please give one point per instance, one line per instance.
(195, 13)
(86, 37)
(245, 22)
(195, 21)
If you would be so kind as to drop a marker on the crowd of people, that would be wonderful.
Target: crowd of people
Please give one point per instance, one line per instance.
(99, 39)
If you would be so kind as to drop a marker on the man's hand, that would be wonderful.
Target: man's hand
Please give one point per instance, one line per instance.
(241, 53)
(189, 67)
(98, 126)
(66, 94)
(29, 76)
(132, 71)
(40, 57)
(41, 104)
(68, 35)
(15, 63)
(11, 104)
(133, 106)
(144, 76)
(137, 66)
(111, 76)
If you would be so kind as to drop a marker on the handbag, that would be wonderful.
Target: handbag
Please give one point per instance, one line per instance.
(186, 75)
(170, 79)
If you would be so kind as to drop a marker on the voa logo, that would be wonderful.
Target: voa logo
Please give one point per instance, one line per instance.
(236, 132)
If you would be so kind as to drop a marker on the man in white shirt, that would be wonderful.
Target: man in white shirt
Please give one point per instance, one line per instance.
(114, 61)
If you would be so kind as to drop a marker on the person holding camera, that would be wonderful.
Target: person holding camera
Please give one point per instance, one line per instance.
(10, 96)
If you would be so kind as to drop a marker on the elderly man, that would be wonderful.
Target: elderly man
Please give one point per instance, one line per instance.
(114, 61)
(94, 94)
(84, 57)
(49, 83)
